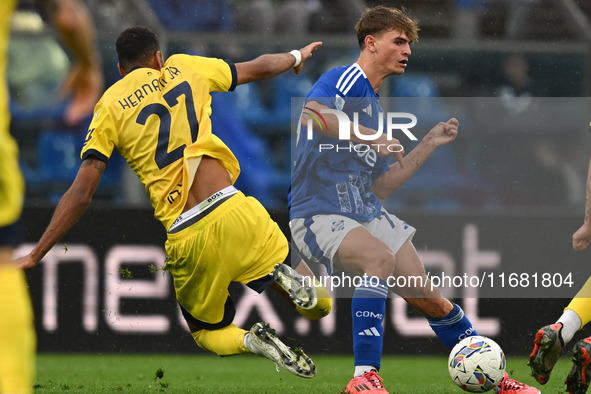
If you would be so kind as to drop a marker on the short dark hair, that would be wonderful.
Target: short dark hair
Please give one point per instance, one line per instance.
(135, 46)
(382, 19)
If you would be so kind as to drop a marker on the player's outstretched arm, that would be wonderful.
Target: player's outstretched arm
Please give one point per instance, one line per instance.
(270, 65)
(400, 172)
(84, 81)
(70, 208)
(582, 236)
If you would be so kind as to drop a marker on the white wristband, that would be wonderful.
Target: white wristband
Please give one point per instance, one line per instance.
(298, 56)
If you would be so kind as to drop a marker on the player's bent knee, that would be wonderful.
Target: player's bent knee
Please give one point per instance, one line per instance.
(382, 269)
(380, 263)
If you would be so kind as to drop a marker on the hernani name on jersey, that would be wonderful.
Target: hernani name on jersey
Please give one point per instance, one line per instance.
(134, 99)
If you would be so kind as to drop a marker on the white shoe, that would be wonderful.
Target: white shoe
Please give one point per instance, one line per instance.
(264, 343)
(301, 290)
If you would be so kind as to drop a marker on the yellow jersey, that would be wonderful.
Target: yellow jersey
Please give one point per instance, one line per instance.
(159, 122)
(12, 187)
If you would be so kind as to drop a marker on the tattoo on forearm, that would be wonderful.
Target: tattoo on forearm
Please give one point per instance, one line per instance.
(97, 164)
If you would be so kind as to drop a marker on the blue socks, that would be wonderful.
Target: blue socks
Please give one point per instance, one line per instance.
(368, 307)
(452, 328)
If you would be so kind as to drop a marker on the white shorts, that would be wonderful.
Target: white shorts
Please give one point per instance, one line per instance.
(318, 238)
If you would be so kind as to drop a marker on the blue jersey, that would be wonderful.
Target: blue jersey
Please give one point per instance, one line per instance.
(337, 180)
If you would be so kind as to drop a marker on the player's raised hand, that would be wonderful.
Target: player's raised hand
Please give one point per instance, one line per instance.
(443, 133)
(306, 54)
(582, 237)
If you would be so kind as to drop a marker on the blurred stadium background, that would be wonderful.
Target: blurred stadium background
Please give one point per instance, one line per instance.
(505, 197)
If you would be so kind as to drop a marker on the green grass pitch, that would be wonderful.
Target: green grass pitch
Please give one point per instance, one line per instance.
(201, 373)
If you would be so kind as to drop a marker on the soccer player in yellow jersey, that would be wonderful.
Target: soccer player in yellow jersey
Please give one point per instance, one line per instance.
(157, 117)
(17, 335)
(550, 341)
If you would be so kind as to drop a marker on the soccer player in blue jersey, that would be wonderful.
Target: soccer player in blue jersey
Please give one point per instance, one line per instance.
(158, 117)
(336, 215)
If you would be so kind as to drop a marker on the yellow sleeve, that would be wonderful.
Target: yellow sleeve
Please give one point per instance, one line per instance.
(220, 74)
(101, 137)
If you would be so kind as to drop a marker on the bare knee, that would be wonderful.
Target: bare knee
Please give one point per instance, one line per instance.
(381, 264)
(361, 253)
(378, 262)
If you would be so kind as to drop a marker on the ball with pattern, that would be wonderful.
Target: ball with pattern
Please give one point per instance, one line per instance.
(476, 364)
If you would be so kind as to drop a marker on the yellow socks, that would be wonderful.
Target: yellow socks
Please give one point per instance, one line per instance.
(226, 341)
(581, 304)
(229, 340)
(322, 308)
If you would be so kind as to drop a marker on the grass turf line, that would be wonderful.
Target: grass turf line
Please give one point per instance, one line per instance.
(200, 373)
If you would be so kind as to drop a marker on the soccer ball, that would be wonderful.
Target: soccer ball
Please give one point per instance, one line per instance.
(476, 364)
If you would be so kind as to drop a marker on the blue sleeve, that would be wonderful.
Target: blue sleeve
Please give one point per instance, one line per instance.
(323, 92)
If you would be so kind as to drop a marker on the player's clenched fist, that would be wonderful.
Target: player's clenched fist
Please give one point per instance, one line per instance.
(443, 132)
(582, 237)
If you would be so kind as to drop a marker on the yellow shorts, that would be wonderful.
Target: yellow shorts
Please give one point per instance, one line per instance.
(17, 333)
(235, 242)
(12, 186)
